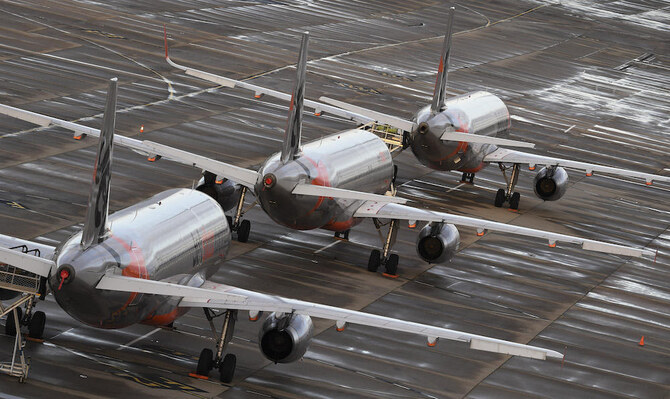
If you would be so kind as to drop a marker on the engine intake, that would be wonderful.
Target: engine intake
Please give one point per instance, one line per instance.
(438, 242)
(550, 183)
(225, 193)
(285, 339)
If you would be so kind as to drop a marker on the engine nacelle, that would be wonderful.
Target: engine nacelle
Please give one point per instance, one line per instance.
(285, 339)
(438, 242)
(225, 193)
(550, 183)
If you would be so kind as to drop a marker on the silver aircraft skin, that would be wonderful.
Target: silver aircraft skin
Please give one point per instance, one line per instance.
(150, 263)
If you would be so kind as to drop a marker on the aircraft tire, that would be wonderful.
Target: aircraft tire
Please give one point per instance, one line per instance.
(243, 231)
(374, 261)
(514, 201)
(500, 198)
(205, 362)
(227, 368)
(392, 264)
(36, 326)
(10, 326)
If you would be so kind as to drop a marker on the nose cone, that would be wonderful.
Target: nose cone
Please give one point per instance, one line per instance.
(74, 282)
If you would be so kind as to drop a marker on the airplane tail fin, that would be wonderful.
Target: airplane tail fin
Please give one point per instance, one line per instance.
(95, 224)
(440, 93)
(291, 143)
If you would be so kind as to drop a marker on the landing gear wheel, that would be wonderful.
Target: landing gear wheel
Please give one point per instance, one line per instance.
(227, 368)
(10, 326)
(205, 362)
(500, 198)
(243, 231)
(36, 326)
(392, 265)
(374, 261)
(229, 219)
(514, 201)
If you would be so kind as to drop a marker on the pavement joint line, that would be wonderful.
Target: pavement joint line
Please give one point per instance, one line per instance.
(129, 344)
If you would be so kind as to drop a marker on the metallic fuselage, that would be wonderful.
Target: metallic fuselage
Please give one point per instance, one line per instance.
(353, 160)
(177, 236)
(478, 113)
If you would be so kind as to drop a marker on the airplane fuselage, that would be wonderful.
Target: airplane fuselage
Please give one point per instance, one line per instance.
(478, 113)
(178, 236)
(353, 159)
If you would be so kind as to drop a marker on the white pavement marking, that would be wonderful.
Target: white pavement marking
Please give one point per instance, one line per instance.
(129, 344)
(326, 247)
(455, 188)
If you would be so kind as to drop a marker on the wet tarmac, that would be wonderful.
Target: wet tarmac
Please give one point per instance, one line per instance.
(584, 80)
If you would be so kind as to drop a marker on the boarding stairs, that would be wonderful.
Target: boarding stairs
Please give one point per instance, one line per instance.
(29, 286)
(394, 138)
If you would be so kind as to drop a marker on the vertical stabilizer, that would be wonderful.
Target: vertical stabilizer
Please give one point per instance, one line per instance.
(440, 92)
(291, 143)
(95, 224)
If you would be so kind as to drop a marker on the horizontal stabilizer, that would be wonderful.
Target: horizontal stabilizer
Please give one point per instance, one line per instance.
(475, 138)
(323, 191)
(133, 284)
(31, 263)
(390, 120)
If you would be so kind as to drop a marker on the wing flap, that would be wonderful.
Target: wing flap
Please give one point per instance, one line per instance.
(332, 192)
(475, 138)
(511, 156)
(404, 212)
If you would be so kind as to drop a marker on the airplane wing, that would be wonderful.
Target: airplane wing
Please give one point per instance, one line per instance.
(260, 91)
(373, 209)
(512, 156)
(246, 177)
(256, 302)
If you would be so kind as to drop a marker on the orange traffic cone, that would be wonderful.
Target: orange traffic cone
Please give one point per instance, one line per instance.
(142, 129)
(642, 341)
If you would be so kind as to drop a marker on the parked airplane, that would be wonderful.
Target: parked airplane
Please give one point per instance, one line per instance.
(458, 134)
(332, 183)
(162, 251)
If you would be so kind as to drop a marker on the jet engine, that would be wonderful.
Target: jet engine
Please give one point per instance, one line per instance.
(285, 338)
(550, 183)
(226, 193)
(438, 242)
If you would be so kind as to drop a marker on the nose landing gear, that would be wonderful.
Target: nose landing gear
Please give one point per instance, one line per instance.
(242, 227)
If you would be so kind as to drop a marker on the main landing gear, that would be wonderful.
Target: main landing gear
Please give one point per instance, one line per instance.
(34, 321)
(509, 194)
(209, 360)
(242, 227)
(468, 178)
(389, 260)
